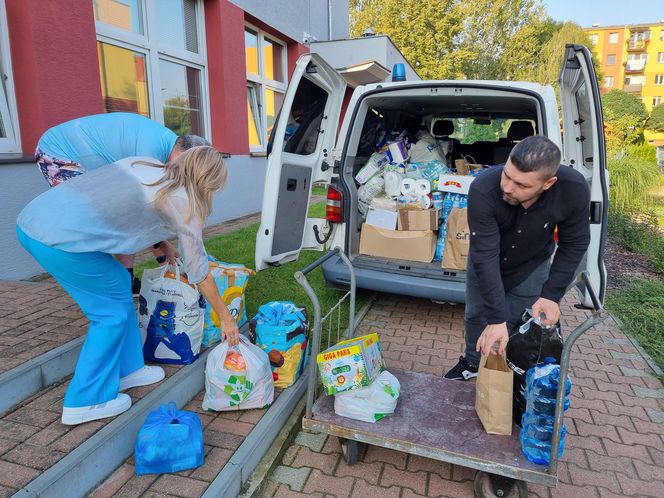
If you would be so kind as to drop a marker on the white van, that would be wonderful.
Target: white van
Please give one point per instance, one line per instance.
(314, 152)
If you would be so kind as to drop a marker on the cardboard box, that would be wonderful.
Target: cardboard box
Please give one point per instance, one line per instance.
(350, 364)
(418, 245)
(424, 219)
(382, 218)
(457, 184)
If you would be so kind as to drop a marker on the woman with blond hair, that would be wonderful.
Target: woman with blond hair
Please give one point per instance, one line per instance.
(73, 232)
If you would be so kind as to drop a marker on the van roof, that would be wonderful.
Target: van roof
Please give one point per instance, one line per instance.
(521, 85)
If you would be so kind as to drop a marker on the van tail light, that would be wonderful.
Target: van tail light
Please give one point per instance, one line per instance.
(333, 210)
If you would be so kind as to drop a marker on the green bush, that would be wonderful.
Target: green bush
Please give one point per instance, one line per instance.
(632, 179)
(641, 236)
(643, 151)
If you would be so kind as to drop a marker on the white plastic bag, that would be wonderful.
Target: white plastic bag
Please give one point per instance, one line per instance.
(228, 388)
(370, 403)
(426, 149)
(170, 314)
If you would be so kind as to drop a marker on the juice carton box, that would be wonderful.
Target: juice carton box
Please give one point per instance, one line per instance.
(351, 364)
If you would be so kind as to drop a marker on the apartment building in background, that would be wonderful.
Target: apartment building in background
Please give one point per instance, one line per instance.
(631, 58)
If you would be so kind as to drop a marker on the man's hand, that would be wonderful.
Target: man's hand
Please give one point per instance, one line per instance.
(493, 339)
(166, 253)
(549, 309)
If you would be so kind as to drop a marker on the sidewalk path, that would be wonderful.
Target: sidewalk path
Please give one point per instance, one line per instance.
(615, 426)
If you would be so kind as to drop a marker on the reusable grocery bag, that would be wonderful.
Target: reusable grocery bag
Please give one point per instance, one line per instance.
(529, 344)
(457, 240)
(170, 315)
(232, 281)
(493, 395)
(372, 403)
(237, 378)
(282, 331)
(169, 441)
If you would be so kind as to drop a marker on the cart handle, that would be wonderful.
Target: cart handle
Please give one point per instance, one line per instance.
(598, 315)
(301, 278)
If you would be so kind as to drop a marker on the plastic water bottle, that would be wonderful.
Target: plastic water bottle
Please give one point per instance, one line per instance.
(537, 421)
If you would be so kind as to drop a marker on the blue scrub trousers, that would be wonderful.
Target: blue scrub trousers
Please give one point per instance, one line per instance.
(101, 287)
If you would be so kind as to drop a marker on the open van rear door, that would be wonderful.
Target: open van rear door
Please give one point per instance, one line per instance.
(301, 154)
(584, 149)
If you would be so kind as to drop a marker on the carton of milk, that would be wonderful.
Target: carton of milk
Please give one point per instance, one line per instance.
(351, 364)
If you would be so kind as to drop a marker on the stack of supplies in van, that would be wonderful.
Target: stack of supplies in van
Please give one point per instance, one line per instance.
(354, 372)
(412, 197)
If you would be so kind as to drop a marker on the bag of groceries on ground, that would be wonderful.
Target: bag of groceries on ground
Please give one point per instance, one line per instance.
(232, 281)
(170, 316)
(371, 403)
(282, 331)
(170, 440)
(237, 378)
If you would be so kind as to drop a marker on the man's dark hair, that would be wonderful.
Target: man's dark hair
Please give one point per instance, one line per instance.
(186, 142)
(536, 153)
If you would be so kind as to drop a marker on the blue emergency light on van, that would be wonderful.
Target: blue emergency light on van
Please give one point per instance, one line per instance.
(399, 72)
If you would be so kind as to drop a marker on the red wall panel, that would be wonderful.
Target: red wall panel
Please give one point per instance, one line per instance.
(54, 61)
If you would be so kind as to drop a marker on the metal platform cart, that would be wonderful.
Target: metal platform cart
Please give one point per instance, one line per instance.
(435, 417)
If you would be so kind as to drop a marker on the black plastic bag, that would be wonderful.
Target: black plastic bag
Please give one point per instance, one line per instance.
(529, 344)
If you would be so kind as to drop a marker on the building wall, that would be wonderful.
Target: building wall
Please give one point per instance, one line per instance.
(56, 74)
(648, 90)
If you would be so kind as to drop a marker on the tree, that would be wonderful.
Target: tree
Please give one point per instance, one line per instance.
(625, 116)
(450, 39)
(656, 119)
(550, 58)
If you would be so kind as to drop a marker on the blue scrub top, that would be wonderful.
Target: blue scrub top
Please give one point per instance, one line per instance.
(93, 141)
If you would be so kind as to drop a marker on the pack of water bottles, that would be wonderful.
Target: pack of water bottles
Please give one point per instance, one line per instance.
(449, 202)
(537, 422)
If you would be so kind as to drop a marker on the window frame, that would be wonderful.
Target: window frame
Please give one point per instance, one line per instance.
(610, 59)
(659, 79)
(262, 84)
(154, 50)
(612, 35)
(594, 39)
(656, 100)
(11, 144)
(608, 79)
(660, 57)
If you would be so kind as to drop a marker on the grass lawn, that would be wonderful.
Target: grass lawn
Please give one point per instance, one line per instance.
(276, 283)
(640, 307)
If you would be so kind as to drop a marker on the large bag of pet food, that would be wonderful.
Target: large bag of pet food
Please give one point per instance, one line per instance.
(282, 331)
(170, 315)
(237, 378)
(232, 281)
(372, 403)
(170, 440)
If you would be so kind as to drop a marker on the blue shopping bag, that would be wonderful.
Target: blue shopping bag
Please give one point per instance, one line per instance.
(169, 441)
(281, 330)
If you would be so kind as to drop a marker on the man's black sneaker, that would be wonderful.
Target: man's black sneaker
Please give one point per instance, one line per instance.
(135, 286)
(461, 371)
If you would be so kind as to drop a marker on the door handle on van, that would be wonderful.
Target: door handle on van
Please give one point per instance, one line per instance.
(595, 212)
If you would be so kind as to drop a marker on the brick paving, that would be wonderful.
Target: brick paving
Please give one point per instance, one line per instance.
(615, 439)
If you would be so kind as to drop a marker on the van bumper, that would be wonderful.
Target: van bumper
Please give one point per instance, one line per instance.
(336, 273)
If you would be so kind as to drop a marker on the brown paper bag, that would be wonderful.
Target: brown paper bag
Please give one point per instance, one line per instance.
(493, 396)
(457, 240)
(465, 164)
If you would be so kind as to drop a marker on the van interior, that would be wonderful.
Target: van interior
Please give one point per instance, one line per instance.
(482, 123)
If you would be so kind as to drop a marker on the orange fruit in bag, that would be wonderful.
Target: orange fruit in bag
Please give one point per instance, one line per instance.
(235, 362)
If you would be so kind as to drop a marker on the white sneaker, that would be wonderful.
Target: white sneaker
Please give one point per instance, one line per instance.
(142, 377)
(81, 414)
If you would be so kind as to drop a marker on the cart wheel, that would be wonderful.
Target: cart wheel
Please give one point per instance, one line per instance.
(352, 450)
(492, 485)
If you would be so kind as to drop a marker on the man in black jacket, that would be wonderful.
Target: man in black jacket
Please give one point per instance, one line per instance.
(512, 213)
